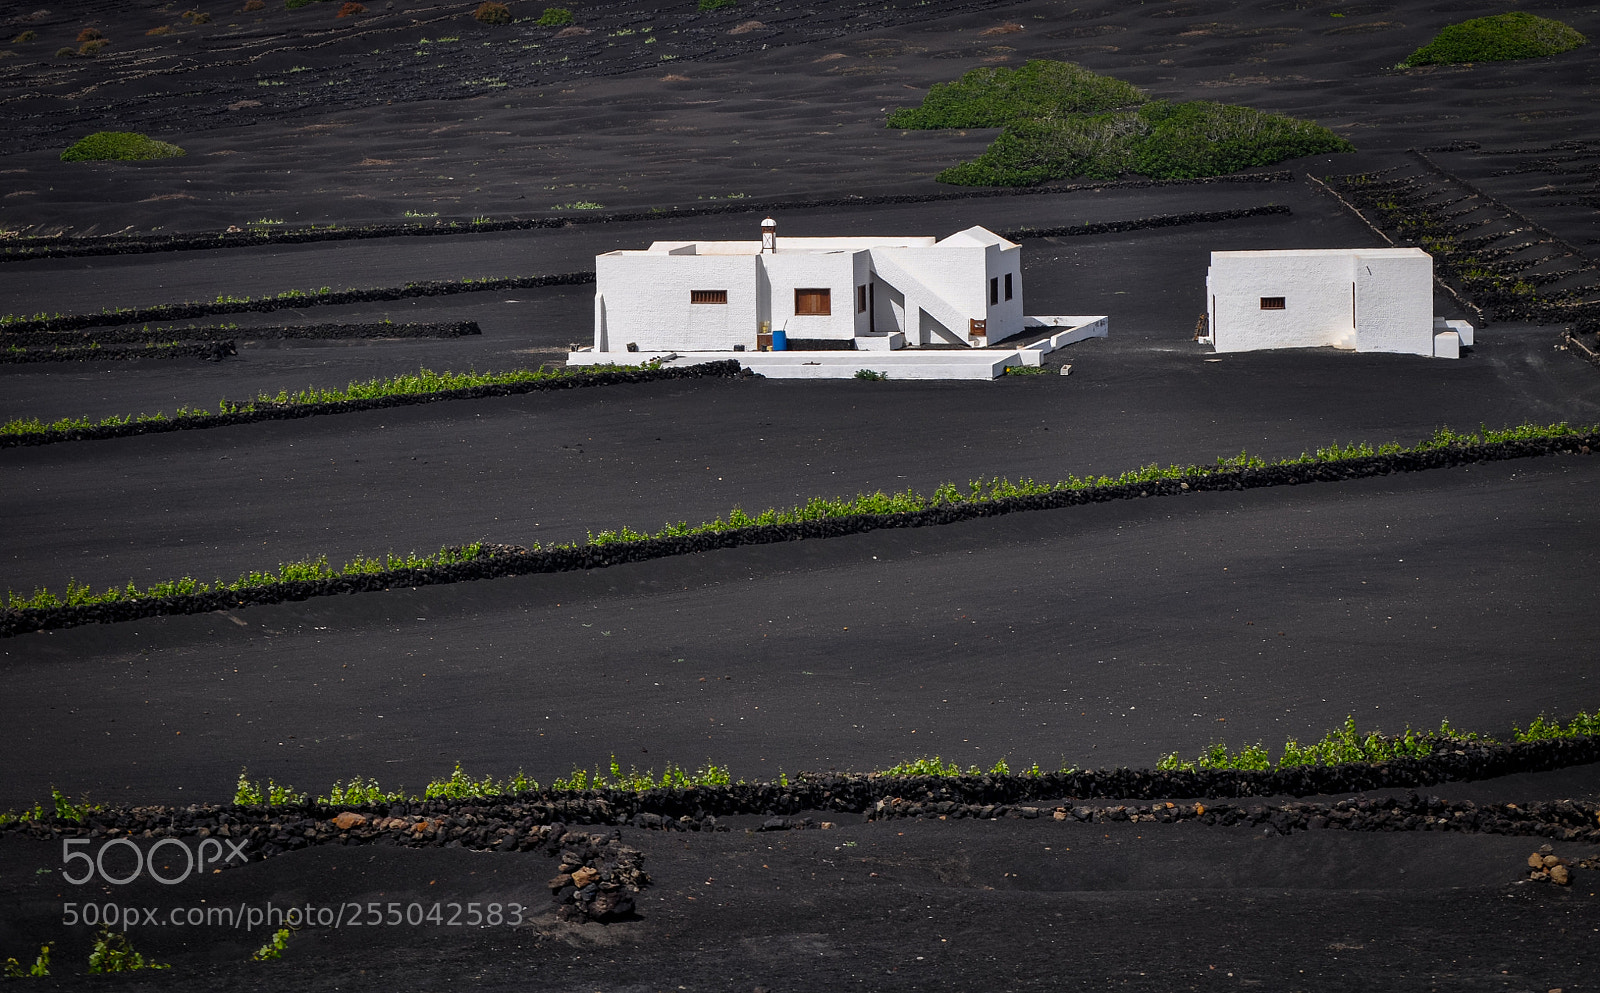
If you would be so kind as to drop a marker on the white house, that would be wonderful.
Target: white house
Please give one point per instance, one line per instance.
(719, 295)
(1366, 299)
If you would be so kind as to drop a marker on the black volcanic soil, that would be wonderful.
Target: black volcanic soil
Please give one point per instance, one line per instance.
(1094, 636)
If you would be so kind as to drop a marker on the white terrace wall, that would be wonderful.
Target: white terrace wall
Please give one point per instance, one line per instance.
(1394, 301)
(943, 286)
(646, 300)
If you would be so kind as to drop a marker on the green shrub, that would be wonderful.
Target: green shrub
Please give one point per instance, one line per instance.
(993, 97)
(66, 52)
(24, 37)
(297, 4)
(1159, 139)
(709, 5)
(105, 146)
(555, 17)
(1516, 35)
(1201, 138)
(492, 13)
(870, 374)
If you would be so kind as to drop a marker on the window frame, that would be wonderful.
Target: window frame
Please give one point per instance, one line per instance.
(708, 297)
(1274, 303)
(823, 296)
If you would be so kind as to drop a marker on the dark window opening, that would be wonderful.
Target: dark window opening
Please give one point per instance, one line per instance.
(994, 291)
(1272, 303)
(1008, 286)
(861, 299)
(813, 302)
(708, 296)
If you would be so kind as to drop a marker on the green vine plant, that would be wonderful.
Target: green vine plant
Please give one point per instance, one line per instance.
(1346, 744)
(273, 949)
(422, 383)
(113, 952)
(818, 508)
(38, 970)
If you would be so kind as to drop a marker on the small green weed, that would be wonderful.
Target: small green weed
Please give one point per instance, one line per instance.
(710, 5)
(112, 952)
(870, 374)
(1027, 370)
(272, 949)
(38, 970)
(555, 17)
(579, 205)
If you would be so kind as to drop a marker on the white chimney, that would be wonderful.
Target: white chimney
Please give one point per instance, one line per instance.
(769, 236)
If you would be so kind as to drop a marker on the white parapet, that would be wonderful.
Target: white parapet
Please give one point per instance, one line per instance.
(1462, 329)
(1447, 345)
(883, 353)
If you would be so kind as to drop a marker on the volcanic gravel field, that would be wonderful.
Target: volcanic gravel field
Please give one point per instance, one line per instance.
(1099, 637)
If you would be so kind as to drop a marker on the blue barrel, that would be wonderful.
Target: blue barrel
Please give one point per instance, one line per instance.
(780, 340)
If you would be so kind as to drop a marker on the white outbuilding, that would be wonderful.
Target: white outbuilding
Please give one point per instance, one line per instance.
(820, 296)
(1365, 299)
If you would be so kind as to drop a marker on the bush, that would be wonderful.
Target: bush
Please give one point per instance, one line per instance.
(89, 34)
(1159, 140)
(251, 6)
(993, 97)
(555, 17)
(297, 4)
(118, 145)
(351, 10)
(495, 13)
(163, 29)
(709, 5)
(24, 37)
(1496, 39)
(1201, 138)
(92, 47)
(196, 17)
(66, 52)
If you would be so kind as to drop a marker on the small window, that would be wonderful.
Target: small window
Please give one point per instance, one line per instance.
(1008, 286)
(861, 299)
(813, 302)
(994, 290)
(1272, 303)
(708, 296)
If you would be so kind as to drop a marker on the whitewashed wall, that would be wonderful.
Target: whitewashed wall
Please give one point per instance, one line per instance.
(1394, 301)
(646, 301)
(1316, 289)
(1373, 300)
(1005, 317)
(801, 270)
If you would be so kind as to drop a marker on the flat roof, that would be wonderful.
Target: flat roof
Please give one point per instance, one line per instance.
(1286, 252)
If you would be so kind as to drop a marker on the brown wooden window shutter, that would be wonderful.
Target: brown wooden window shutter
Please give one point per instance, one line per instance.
(813, 302)
(708, 296)
(1272, 303)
